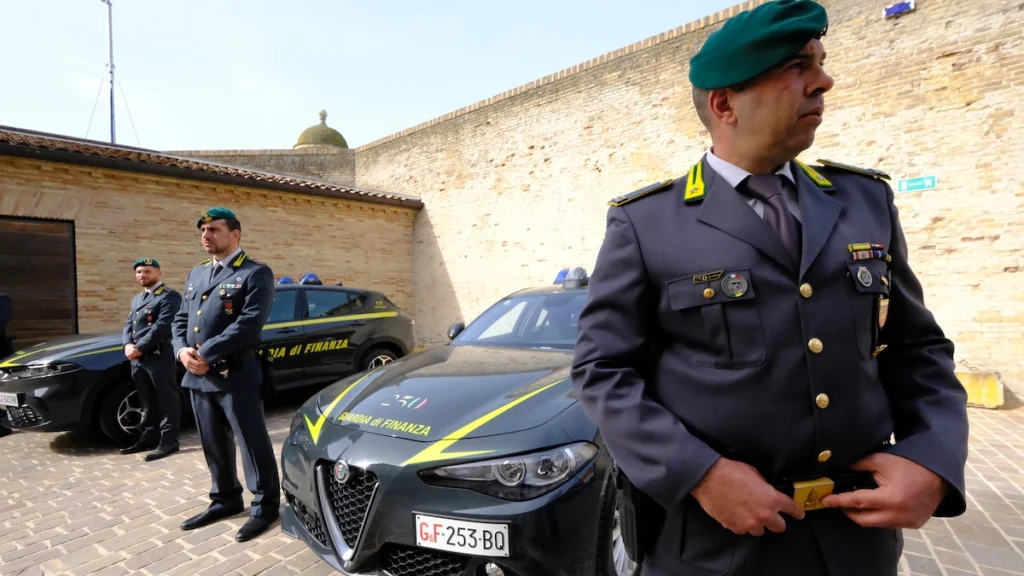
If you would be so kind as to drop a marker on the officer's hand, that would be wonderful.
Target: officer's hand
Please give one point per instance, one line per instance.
(129, 349)
(907, 494)
(135, 355)
(739, 498)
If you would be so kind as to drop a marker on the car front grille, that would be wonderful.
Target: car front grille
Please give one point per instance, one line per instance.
(24, 416)
(350, 501)
(408, 561)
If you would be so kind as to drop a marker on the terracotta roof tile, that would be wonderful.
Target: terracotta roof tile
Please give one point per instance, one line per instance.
(21, 142)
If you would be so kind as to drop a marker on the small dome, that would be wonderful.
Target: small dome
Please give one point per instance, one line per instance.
(321, 135)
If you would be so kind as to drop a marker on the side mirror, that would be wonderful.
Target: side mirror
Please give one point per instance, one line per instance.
(455, 330)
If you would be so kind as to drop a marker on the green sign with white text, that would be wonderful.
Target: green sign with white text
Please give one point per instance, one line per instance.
(917, 184)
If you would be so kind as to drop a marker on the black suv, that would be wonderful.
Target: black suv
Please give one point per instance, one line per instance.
(315, 334)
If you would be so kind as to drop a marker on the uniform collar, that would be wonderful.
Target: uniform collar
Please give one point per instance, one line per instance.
(734, 174)
(155, 288)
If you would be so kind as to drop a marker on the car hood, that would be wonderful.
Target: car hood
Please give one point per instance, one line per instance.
(69, 348)
(461, 391)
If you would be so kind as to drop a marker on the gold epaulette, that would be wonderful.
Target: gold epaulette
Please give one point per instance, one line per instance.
(638, 194)
(872, 172)
(203, 263)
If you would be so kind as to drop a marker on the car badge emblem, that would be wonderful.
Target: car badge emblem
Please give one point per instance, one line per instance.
(341, 473)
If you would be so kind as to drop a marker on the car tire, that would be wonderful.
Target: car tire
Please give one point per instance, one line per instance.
(376, 357)
(120, 413)
(612, 559)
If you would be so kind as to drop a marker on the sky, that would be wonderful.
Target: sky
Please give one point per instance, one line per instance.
(252, 74)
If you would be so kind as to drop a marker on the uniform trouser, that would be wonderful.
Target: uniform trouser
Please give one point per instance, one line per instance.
(220, 418)
(154, 380)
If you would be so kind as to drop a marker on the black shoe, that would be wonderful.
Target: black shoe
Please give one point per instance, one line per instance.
(209, 516)
(254, 527)
(143, 445)
(161, 452)
(4, 431)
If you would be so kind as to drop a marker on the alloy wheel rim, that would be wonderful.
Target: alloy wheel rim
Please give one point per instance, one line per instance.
(130, 414)
(380, 360)
(624, 565)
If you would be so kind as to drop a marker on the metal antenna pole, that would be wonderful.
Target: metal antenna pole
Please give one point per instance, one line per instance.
(110, 40)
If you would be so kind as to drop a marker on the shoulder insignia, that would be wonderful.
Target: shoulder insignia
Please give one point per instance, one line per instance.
(257, 261)
(238, 261)
(638, 194)
(204, 262)
(159, 290)
(815, 175)
(695, 185)
(874, 173)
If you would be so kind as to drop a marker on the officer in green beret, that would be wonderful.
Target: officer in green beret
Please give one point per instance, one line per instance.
(146, 338)
(756, 350)
(216, 335)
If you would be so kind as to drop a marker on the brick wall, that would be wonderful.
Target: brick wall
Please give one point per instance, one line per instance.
(515, 187)
(121, 216)
(323, 163)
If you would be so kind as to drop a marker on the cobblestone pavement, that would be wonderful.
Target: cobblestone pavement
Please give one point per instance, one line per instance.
(70, 504)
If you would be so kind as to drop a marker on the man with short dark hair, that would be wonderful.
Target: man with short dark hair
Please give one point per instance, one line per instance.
(216, 335)
(146, 338)
(755, 337)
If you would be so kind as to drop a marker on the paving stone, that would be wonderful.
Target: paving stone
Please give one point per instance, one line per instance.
(924, 565)
(1002, 558)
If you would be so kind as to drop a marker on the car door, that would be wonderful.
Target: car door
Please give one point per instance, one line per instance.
(283, 337)
(334, 332)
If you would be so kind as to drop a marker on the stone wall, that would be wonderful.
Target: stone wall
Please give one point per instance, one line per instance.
(323, 163)
(515, 187)
(120, 216)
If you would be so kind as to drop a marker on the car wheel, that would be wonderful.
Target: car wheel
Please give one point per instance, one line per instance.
(378, 357)
(120, 413)
(612, 557)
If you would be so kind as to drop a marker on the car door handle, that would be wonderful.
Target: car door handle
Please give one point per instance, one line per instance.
(287, 330)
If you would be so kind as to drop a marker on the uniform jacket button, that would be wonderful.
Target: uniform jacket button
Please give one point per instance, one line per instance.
(815, 345)
(824, 456)
(199, 312)
(822, 400)
(709, 293)
(204, 296)
(806, 290)
(196, 328)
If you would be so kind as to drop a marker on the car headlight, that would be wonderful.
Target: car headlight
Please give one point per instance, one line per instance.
(516, 477)
(298, 435)
(39, 370)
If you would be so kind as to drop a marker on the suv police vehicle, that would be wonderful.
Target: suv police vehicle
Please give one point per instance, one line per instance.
(315, 334)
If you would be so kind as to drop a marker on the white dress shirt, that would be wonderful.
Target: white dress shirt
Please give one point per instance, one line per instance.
(734, 175)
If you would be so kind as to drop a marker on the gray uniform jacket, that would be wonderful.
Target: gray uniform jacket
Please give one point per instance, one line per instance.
(223, 319)
(148, 325)
(701, 339)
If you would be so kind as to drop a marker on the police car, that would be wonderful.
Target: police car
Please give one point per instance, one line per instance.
(315, 335)
(469, 458)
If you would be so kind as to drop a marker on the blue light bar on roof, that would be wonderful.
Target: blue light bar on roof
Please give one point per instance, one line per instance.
(561, 276)
(897, 8)
(310, 278)
(286, 280)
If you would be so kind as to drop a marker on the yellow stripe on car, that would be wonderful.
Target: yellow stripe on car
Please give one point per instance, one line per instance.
(315, 429)
(21, 355)
(90, 353)
(332, 319)
(436, 451)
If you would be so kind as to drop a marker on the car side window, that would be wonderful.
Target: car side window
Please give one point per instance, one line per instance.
(330, 303)
(283, 309)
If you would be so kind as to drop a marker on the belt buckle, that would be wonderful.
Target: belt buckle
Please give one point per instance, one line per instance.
(808, 493)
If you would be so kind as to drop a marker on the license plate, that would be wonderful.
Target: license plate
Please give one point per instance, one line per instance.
(474, 538)
(8, 399)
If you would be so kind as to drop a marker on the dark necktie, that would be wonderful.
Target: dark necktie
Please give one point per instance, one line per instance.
(216, 270)
(768, 189)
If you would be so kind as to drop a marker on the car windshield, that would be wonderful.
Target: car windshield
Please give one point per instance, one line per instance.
(545, 320)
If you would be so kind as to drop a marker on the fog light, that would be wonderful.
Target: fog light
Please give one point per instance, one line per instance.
(493, 570)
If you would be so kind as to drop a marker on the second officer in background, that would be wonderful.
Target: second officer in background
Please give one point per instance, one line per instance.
(226, 303)
(147, 343)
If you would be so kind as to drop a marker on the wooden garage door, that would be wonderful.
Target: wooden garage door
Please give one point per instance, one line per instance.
(37, 270)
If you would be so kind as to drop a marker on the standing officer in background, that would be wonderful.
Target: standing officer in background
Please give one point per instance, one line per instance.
(756, 324)
(216, 333)
(146, 339)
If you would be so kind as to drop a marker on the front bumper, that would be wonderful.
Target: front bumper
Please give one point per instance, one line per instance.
(367, 526)
(48, 403)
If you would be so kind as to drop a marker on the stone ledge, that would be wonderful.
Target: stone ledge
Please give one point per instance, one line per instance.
(984, 389)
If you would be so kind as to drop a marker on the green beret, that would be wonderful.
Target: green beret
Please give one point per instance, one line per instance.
(214, 214)
(145, 262)
(755, 41)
